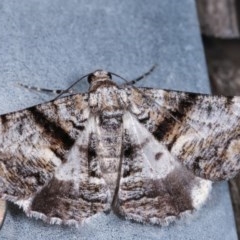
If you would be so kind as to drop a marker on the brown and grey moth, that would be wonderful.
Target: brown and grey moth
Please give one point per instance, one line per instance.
(148, 155)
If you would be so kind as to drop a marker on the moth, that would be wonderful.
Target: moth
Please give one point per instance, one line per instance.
(149, 155)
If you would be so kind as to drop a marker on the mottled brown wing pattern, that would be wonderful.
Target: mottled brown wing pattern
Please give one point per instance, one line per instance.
(154, 187)
(126, 148)
(36, 146)
(201, 131)
(78, 190)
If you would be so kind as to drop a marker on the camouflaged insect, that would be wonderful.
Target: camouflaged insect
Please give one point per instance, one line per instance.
(147, 154)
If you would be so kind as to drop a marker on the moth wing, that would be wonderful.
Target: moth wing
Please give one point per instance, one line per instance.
(154, 187)
(36, 148)
(201, 131)
(77, 191)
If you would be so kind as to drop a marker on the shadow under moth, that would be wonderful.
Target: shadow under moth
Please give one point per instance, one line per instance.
(148, 155)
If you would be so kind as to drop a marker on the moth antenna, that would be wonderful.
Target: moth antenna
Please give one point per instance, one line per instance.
(67, 90)
(132, 82)
(38, 89)
(61, 92)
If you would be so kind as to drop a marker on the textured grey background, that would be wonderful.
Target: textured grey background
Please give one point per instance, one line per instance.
(51, 43)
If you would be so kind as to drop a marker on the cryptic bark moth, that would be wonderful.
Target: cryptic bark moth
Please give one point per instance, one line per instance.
(147, 154)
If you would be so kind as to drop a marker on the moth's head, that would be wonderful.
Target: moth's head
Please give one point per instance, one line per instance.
(99, 75)
(99, 79)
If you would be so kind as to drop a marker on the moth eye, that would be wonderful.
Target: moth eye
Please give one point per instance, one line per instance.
(90, 76)
(109, 75)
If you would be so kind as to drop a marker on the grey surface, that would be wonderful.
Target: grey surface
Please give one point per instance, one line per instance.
(51, 43)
